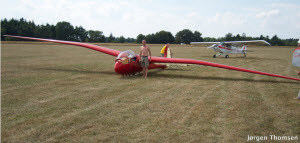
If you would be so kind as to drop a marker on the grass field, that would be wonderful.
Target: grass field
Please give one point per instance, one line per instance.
(60, 93)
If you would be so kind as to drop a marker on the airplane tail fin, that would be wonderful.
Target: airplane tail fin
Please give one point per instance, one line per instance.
(244, 48)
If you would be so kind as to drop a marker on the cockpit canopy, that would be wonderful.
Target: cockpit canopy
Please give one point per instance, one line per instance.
(222, 44)
(126, 57)
(126, 54)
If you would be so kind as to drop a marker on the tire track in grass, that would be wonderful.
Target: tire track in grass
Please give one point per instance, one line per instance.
(153, 112)
(249, 112)
(64, 117)
(33, 102)
(198, 116)
(237, 109)
(70, 94)
(150, 115)
(169, 126)
(91, 107)
(135, 108)
(284, 108)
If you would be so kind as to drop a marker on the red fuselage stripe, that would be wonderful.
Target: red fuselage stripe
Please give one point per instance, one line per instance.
(224, 48)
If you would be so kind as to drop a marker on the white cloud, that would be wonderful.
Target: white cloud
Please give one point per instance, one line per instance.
(269, 13)
(192, 14)
(285, 5)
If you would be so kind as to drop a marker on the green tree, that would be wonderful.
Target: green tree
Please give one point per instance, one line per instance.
(140, 38)
(261, 37)
(151, 38)
(163, 37)
(276, 41)
(64, 31)
(20, 27)
(45, 31)
(197, 36)
(130, 40)
(121, 39)
(111, 38)
(95, 36)
(184, 36)
(80, 34)
(244, 37)
(25, 28)
(4, 26)
(237, 37)
(209, 39)
(229, 37)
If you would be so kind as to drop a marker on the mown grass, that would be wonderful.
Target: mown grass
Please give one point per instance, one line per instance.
(61, 93)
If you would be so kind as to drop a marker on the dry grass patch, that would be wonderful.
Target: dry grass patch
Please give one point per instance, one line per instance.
(60, 93)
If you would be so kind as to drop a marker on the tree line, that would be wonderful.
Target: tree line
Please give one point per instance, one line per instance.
(61, 31)
(65, 31)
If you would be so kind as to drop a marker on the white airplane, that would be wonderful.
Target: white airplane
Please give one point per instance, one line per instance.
(230, 47)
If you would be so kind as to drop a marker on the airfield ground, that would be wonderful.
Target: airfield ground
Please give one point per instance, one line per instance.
(60, 93)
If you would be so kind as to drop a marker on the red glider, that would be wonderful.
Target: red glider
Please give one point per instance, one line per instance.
(127, 62)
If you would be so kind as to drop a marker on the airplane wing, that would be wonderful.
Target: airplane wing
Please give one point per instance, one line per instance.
(236, 42)
(204, 63)
(205, 43)
(86, 45)
(248, 42)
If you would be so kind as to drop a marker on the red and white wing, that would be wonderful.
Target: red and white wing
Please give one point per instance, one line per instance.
(86, 45)
(204, 63)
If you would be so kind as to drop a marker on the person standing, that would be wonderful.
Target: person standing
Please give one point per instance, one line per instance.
(162, 51)
(144, 53)
(298, 48)
(296, 57)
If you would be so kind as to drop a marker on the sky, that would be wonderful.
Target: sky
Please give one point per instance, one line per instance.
(213, 18)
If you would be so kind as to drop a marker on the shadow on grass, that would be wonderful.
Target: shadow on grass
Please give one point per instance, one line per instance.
(242, 57)
(255, 58)
(191, 77)
(157, 74)
(77, 71)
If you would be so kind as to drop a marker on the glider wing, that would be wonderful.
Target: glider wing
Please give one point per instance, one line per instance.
(86, 45)
(204, 63)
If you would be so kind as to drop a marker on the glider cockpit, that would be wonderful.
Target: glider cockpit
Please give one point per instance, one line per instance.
(126, 57)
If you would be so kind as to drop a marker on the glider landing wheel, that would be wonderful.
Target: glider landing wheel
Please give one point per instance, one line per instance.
(214, 56)
(226, 56)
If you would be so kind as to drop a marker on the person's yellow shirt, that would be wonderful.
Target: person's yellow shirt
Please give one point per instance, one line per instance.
(163, 49)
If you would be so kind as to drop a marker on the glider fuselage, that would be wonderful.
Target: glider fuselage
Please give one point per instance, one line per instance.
(127, 63)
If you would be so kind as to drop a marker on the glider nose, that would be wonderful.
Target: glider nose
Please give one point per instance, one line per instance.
(118, 67)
